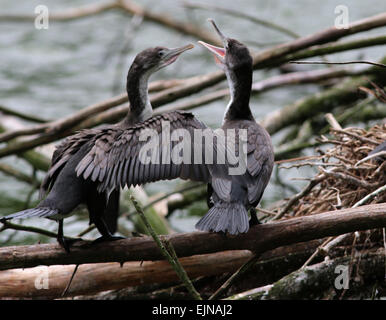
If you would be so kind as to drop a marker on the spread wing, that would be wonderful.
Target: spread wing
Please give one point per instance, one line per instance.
(164, 147)
(63, 152)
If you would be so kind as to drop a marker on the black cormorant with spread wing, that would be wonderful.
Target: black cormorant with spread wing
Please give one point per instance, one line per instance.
(65, 190)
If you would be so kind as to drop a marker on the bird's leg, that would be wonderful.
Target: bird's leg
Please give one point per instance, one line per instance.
(253, 221)
(63, 241)
(105, 232)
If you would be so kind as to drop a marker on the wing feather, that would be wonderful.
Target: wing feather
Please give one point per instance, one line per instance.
(115, 161)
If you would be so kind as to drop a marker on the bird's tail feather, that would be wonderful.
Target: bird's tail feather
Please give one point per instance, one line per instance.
(42, 212)
(231, 217)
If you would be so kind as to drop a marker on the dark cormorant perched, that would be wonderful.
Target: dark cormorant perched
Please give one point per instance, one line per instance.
(246, 189)
(65, 189)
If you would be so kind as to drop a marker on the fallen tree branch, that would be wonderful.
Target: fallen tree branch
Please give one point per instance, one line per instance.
(342, 94)
(259, 239)
(310, 282)
(92, 278)
(112, 276)
(335, 47)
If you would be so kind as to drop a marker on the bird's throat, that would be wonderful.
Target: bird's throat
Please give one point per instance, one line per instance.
(137, 91)
(240, 84)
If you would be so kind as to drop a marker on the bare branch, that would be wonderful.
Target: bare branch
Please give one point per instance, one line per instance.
(259, 239)
(346, 62)
(245, 16)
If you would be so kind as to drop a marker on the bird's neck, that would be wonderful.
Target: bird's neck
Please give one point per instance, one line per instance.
(137, 91)
(240, 84)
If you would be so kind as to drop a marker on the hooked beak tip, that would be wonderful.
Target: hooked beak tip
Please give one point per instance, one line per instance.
(220, 34)
(178, 51)
(189, 46)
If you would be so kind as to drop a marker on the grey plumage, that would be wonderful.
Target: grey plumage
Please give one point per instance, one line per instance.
(230, 217)
(122, 148)
(64, 190)
(32, 213)
(229, 200)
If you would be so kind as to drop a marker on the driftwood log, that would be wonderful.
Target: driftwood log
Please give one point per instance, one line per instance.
(51, 281)
(259, 239)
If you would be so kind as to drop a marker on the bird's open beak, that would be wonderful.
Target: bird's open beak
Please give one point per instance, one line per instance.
(172, 54)
(218, 52)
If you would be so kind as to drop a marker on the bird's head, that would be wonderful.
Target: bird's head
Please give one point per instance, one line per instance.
(232, 55)
(153, 59)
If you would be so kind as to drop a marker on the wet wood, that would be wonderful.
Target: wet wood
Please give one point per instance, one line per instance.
(260, 238)
(51, 281)
(93, 278)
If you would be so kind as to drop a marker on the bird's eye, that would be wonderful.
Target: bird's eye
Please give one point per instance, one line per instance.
(161, 54)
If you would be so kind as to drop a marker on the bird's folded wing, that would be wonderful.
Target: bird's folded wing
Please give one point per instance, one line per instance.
(260, 160)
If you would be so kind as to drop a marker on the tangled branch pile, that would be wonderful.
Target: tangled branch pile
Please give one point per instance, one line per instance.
(344, 180)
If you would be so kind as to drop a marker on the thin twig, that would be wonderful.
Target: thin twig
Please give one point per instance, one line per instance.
(332, 121)
(319, 250)
(298, 196)
(335, 47)
(10, 225)
(351, 134)
(19, 175)
(332, 242)
(349, 179)
(346, 62)
(69, 283)
(380, 153)
(226, 285)
(267, 212)
(20, 115)
(369, 197)
(169, 255)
